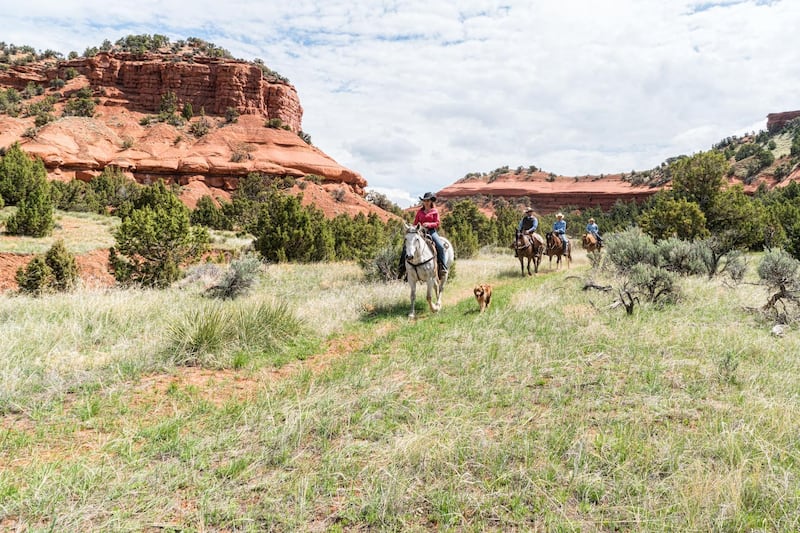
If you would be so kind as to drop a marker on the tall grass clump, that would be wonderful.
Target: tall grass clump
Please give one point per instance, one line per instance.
(215, 333)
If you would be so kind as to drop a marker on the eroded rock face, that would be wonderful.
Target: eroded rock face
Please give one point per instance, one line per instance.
(547, 193)
(128, 91)
(776, 121)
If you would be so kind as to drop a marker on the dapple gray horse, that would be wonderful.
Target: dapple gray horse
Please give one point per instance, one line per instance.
(421, 265)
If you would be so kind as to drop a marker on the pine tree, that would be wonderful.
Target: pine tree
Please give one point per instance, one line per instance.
(34, 216)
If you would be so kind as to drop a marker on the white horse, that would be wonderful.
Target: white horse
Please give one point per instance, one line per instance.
(421, 265)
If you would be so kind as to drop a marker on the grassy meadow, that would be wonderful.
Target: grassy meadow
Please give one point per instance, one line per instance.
(315, 404)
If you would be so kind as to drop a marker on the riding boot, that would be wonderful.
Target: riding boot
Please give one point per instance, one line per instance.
(442, 268)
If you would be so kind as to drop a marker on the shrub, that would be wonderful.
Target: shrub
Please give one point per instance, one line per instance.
(200, 127)
(239, 279)
(112, 188)
(383, 265)
(63, 266)
(285, 230)
(74, 195)
(780, 272)
(206, 213)
(719, 254)
(464, 239)
(681, 257)
(629, 248)
(19, 174)
(34, 216)
(36, 278)
(187, 112)
(80, 106)
(673, 217)
(656, 283)
(155, 239)
(231, 115)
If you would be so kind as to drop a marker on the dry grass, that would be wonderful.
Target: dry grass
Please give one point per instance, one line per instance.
(549, 412)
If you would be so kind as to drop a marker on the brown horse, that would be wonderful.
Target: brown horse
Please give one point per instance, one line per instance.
(556, 248)
(528, 246)
(590, 243)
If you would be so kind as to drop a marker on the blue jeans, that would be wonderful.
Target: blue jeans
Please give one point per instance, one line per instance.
(437, 241)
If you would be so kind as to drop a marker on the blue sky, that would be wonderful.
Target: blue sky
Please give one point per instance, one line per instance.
(415, 94)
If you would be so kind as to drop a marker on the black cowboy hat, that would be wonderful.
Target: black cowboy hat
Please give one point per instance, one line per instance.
(428, 196)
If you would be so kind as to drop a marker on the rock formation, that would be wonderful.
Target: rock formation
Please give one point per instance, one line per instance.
(547, 193)
(253, 122)
(776, 121)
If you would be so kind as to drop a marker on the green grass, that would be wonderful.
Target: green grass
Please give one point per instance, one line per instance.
(81, 233)
(549, 412)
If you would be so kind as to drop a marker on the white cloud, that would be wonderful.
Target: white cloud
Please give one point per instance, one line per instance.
(415, 94)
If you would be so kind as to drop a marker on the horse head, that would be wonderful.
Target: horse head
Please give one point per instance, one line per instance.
(414, 242)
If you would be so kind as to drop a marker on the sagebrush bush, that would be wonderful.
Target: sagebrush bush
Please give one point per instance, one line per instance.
(383, 266)
(239, 279)
(629, 248)
(680, 256)
(654, 282)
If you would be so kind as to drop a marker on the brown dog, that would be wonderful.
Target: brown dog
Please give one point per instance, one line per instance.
(483, 293)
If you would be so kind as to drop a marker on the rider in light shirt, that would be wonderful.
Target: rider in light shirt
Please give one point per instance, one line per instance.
(560, 228)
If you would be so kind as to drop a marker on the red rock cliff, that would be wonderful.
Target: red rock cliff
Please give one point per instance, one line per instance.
(128, 91)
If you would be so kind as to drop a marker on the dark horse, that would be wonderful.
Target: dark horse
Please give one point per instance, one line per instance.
(556, 247)
(528, 246)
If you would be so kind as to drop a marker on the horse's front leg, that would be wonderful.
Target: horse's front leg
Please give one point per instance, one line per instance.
(413, 284)
(439, 288)
(431, 304)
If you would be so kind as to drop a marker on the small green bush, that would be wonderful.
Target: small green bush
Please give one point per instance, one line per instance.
(200, 127)
(36, 278)
(63, 265)
(34, 216)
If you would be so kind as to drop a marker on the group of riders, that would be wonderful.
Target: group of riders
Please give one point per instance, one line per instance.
(530, 223)
(428, 217)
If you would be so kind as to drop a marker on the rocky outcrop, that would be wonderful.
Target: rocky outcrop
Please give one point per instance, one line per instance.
(128, 91)
(776, 121)
(140, 81)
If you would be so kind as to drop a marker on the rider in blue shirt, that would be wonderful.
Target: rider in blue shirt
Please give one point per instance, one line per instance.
(592, 228)
(560, 229)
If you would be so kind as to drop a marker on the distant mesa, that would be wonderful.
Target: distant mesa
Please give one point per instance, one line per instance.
(548, 192)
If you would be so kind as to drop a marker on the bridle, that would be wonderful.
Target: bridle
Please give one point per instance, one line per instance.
(415, 265)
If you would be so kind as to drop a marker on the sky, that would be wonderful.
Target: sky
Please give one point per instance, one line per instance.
(416, 94)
